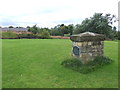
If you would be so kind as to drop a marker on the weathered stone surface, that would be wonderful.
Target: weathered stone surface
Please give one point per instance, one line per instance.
(102, 42)
(89, 43)
(87, 36)
(74, 43)
(89, 49)
(86, 57)
(84, 43)
(83, 49)
(79, 43)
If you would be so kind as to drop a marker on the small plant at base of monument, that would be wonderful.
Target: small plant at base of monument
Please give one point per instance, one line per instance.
(75, 64)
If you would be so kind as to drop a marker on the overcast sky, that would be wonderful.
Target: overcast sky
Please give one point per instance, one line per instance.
(48, 13)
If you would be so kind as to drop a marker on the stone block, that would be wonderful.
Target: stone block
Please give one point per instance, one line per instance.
(102, 52)
(86, 57)
(89, 43)
(88, 49)
(83, 49)
(92, 47)
(94, 54)
(93, 50)
(74, 43)
(102, 42)
(84, 43)
(98, 49)
(79, 43)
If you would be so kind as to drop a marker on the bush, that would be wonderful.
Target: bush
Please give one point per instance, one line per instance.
(27, 36)
(0, 34)
(67, 35)
(75, 64)
(45, 34)
(8, 35)
(55, 32)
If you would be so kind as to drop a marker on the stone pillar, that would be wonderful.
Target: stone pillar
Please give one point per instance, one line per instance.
(87, 46)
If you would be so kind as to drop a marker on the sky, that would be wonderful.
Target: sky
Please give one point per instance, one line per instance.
(49, 13)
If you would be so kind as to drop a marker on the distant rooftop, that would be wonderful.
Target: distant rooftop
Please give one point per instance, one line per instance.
(13, 29)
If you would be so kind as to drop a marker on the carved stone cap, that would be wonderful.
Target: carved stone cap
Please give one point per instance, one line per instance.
(87, 36)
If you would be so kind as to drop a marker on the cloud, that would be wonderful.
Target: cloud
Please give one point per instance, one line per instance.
(52, 12)
(8, 23)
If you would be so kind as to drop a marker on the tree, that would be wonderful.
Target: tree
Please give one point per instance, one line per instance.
(34, 29)
(97, 24)
(77, 29)
(11, 27)
(62, 29)
(118, 35)
(56, 31)
(45, 34)
(28, 27)
(71, 28)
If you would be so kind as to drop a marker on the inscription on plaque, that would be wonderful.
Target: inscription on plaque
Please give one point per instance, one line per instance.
(76, 50)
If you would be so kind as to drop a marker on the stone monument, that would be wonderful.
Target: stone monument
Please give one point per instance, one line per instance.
(86, 46)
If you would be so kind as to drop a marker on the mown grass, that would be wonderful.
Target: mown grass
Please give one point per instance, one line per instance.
(77, 65)
(36, 63)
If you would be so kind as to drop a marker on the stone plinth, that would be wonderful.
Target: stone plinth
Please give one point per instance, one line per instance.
(87, 46)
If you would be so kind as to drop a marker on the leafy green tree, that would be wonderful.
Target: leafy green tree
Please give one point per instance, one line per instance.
(118, 35)
(28, 27)
(62, 29)
(71, 28)
(97, 24)
(77, 29)
(11, 27)
(40, 30)
(45, 34)
(34, 29)
(115, 33)
(56, 31)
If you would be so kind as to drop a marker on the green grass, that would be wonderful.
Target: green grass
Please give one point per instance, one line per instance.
(36, 63)
(77, 65)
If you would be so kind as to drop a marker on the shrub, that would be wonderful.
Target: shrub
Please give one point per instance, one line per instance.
(9, 35)
(45, 34)
(27, 36)
(75, 64)
(0, 34)
(67, 35)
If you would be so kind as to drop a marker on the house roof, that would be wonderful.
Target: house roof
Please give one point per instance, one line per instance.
(13, 29)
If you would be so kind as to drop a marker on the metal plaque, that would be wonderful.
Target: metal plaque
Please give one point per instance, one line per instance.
(76, 50)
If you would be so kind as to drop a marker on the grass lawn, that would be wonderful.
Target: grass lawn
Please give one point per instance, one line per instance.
(36, 63)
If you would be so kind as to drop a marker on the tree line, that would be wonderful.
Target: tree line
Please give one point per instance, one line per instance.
(98, 23)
